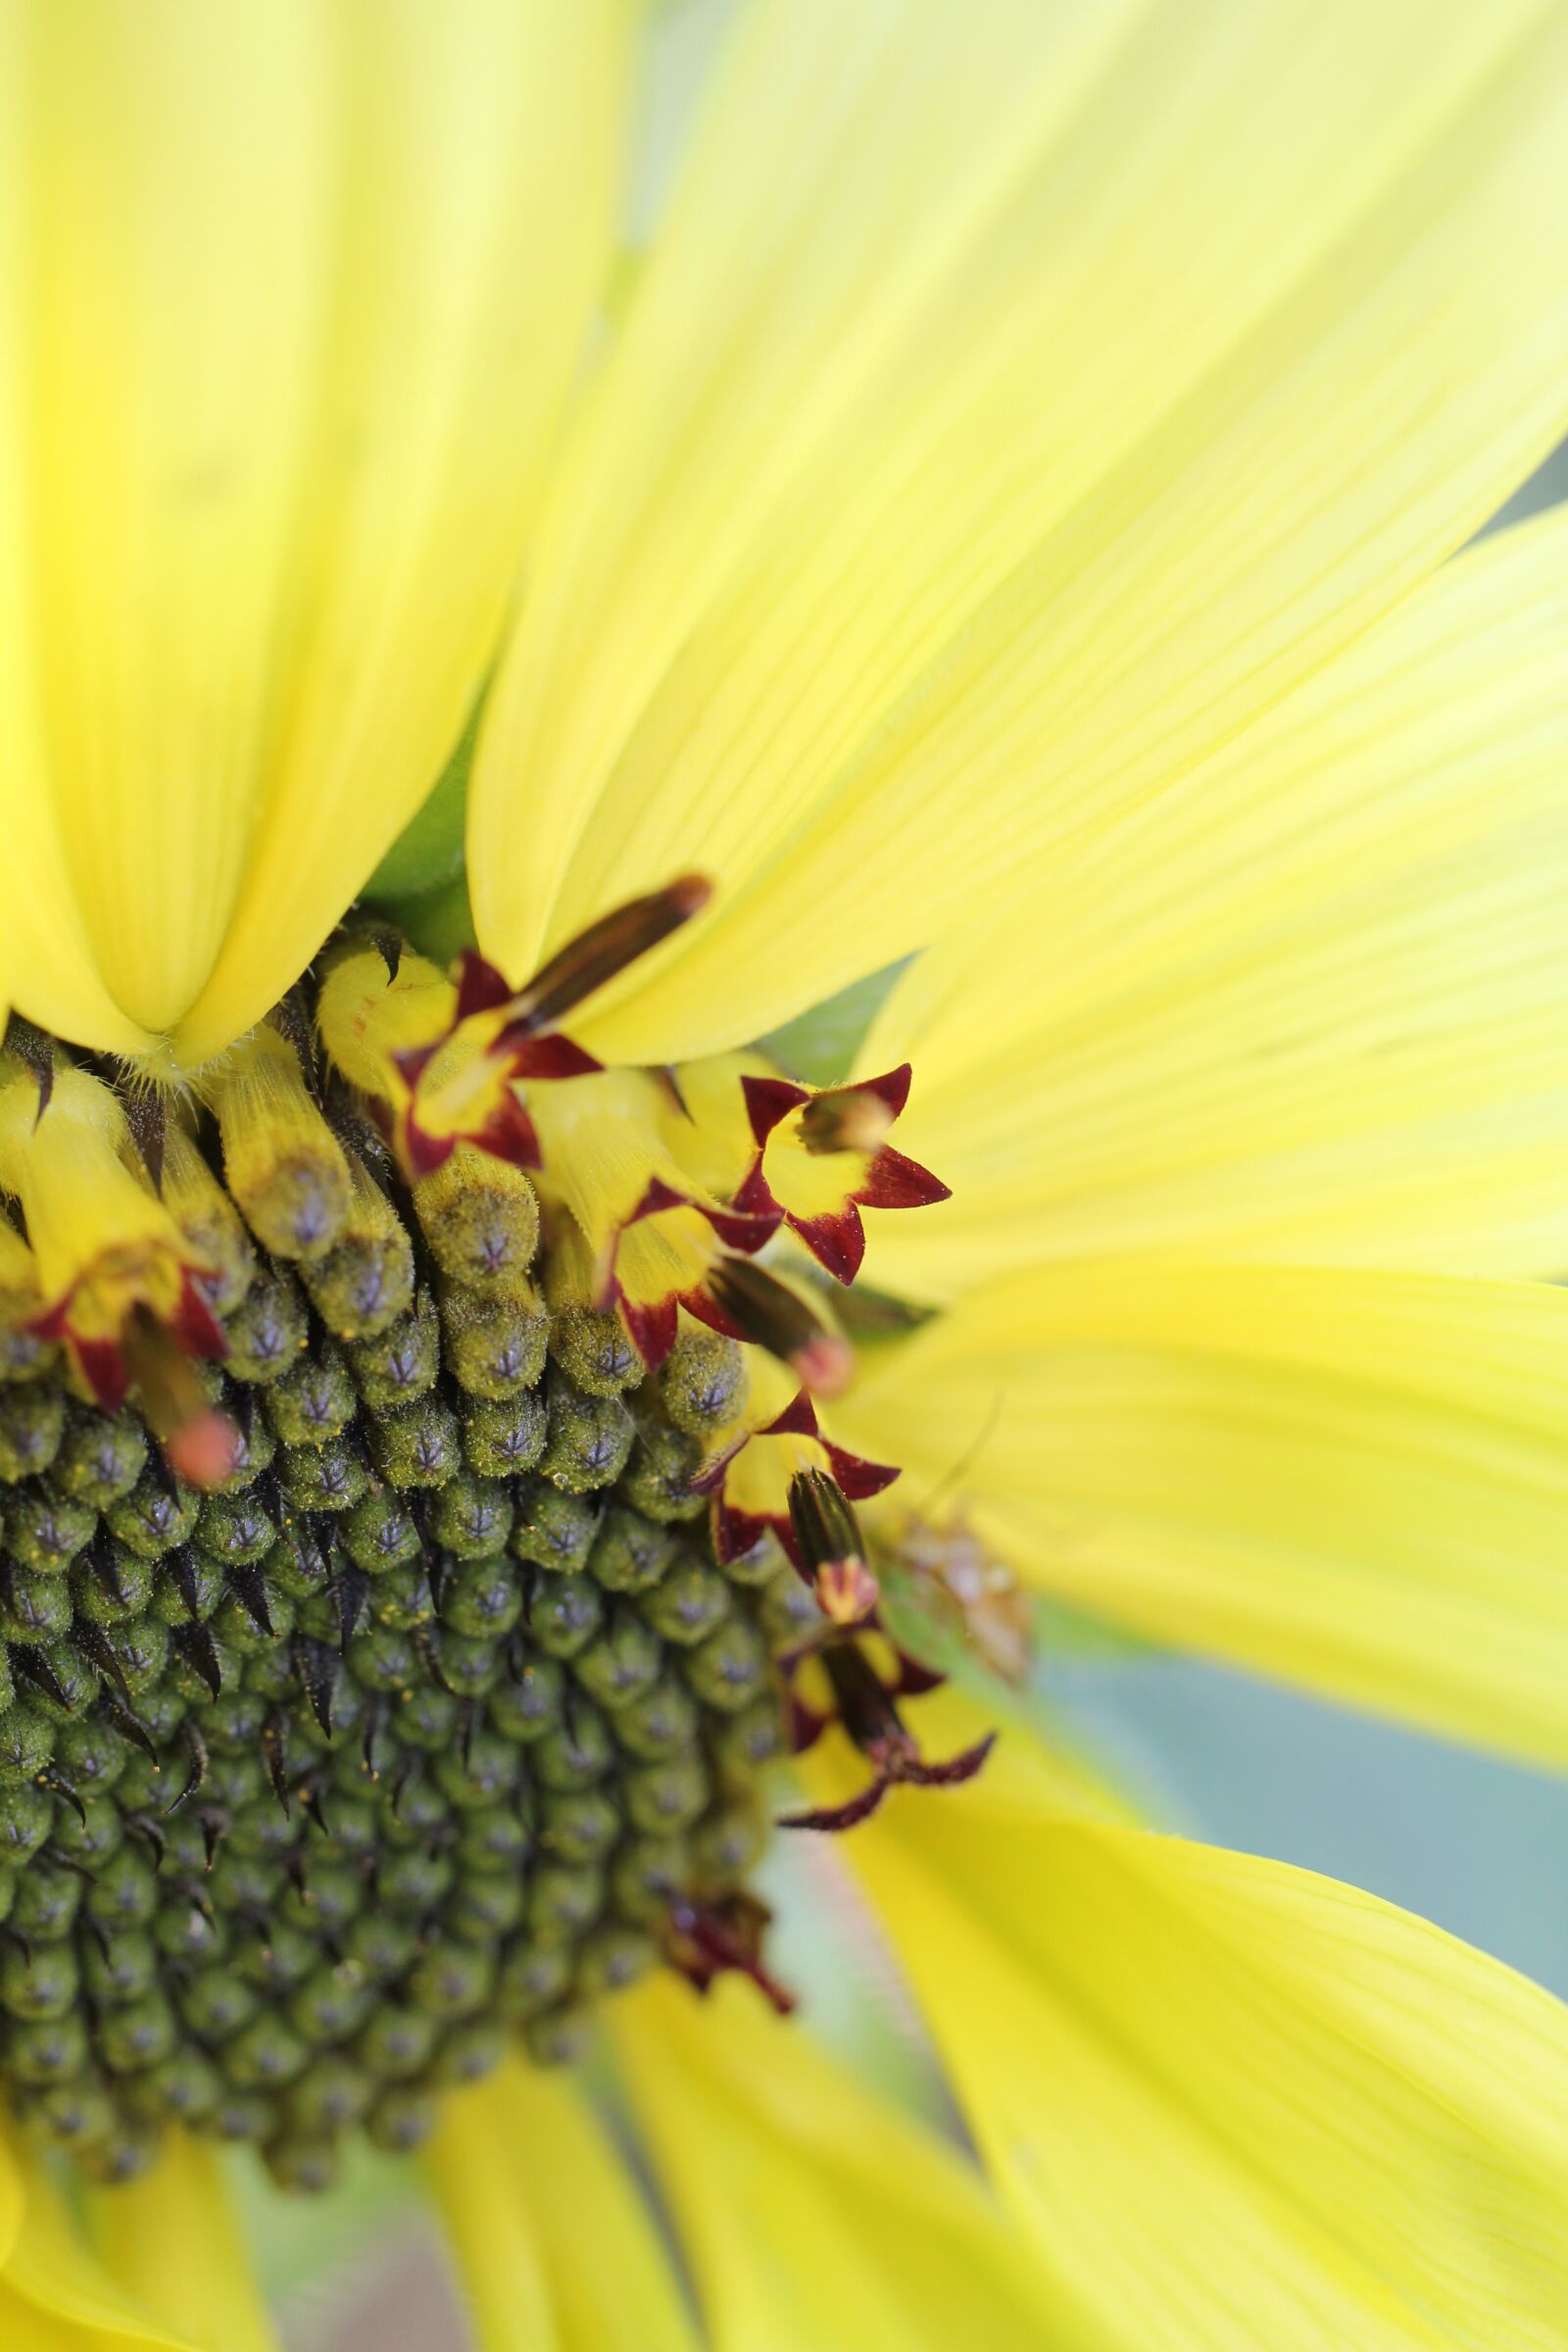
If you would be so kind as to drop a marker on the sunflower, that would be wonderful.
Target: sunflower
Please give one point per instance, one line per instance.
(1010, 932)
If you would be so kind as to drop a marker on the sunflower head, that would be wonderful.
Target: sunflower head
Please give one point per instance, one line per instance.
(510, 640)
(408, 1681)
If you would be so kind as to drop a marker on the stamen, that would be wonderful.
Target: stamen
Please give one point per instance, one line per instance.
(201, 1442)
(708, 1939)
(832, 1553)
(761, 1307)
(864, 1706)
(592, 960)
(855, 1118)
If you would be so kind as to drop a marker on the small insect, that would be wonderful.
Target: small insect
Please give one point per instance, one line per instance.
(954, 1571)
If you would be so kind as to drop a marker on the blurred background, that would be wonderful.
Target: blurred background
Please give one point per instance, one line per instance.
(1478, 1846)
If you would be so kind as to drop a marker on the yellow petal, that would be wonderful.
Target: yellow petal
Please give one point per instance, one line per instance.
(555, 2247)
(1353, 1480)
(297, 295)
(1308, 1003)
(812, 2212)
(1015, 402)
(1236, 2104)
(57, 2296)
(11, 2197)
(173, 2241)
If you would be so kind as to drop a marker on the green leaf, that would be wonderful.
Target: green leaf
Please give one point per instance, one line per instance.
(819, 1047)
(441, 922)
(427, 855)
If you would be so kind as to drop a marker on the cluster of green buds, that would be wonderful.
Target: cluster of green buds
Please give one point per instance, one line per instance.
(373, 1692)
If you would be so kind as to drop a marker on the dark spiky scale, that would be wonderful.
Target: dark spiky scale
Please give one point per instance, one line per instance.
(187, 1585)
(319, 1787)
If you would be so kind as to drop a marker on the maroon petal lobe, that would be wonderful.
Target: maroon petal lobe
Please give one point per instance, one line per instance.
(653, 1327)
(553, 1056)
(894, 1182)
(797, 1420)
(737, 1232)
(754, 1197)
(859, 1478)
(914, 1680)
(508, 1134)
(836, 1819)
(657, 1196)
(423, 1152)
(708, 1310)
(50, 1321)
(709, 1938)
(958, 1768)
(837, 1241)
(709, 1477)
(806, 1725)
(194, 1324)
(737, 1532)
(743, 1228)
(770, 1099)
(102, 1366)
(892, 1088)
(412, 1064)
(480, 987)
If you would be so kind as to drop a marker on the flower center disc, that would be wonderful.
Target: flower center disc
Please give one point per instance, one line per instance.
(430, 1721)
(406, 1570)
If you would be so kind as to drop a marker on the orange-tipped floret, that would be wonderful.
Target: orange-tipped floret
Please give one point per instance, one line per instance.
(122, 1285)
